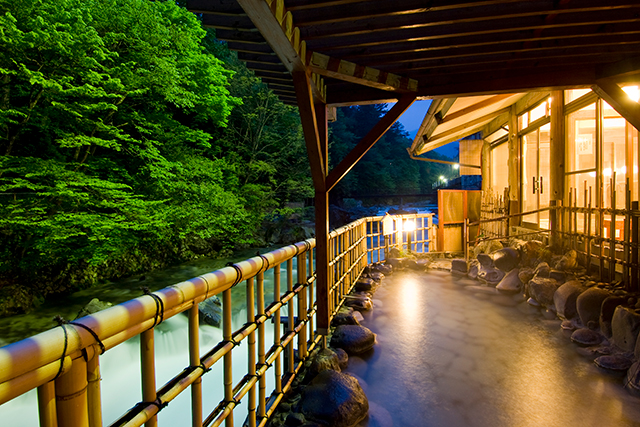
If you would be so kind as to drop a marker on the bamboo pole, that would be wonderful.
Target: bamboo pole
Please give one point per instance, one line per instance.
(71, 396)
(251, 351)
(627, 236)
(601, 231)
(148, 368)
(612, 237)
(302, 306)
(226, 335)
(589, 237)
(290, 354)
(93, 389)
(276, 329)
(194, 361)
(261, 345)
(47, 405)
(635, 239)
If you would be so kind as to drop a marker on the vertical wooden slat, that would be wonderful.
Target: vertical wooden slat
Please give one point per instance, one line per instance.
(627, 235)
(323, 274)
(71, 396)
(612, 228)
(262, 395)
(228, 358)
(47, 405)
(589, 237)
(148, 366)
(194, 360)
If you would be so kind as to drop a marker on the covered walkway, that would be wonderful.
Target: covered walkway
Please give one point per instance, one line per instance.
(450, 355)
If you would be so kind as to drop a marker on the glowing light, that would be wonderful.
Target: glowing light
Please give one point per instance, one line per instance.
(622, 170)
(409, 226)
(592, 174)
(606, 172)
(456, 166)
(632, 92)
(441, 177)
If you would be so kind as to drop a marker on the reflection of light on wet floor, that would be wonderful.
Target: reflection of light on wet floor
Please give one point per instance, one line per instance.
(451, 357)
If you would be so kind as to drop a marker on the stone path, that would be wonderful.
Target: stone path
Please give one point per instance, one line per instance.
(451, 355)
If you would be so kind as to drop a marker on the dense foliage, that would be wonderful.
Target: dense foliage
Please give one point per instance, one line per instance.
(119, 150)
(387, 168)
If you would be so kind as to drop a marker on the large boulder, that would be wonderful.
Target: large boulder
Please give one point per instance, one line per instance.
(569, 261)
(459, 266)
(93, 306)
(344, 318)
(542, 270)
(532, 252)
(358, 302)
(322, 360)
(542, 289)
(510, 283)
(606, 313)
(506, 259)
(334, 399)
(210, 311)
(625, 327)
(565, 299)
(589, 304)
(586, 337)
(525, 274)
(364, 284)
(485, 260)
(486, 247)
(489, 275)
(354, 339)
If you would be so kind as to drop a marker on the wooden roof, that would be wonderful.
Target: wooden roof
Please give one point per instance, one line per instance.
(364, 51)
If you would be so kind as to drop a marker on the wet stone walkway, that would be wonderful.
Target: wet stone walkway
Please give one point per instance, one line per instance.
(450, 355)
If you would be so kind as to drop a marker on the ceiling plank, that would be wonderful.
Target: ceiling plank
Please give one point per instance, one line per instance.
(473, 29)
(621, 68)
(466, 125)
(608, 90)
(461, 15)
(369, 140)
(367, 76)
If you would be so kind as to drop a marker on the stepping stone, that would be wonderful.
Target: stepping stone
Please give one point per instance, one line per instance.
(586, 337)
(354, 339)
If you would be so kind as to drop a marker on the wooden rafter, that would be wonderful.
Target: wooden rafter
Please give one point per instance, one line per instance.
(367, 76)
(608, 90)
(369, 140)
(475, 107)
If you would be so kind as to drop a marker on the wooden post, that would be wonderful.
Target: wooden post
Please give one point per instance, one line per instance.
(302, 306)
(323, 313)
(251, 352)
(556, 166)
(276, 328)
(635, 239)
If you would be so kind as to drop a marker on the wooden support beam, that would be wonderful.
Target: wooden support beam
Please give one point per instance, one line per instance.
(367, 76)
(612, 93)
(475, 107)
(465, 126)
(276, 26)
(308, 118)
(556, 170)
(426, 127)
(369, 140)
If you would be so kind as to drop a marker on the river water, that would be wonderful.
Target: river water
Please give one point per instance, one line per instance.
(450, 355)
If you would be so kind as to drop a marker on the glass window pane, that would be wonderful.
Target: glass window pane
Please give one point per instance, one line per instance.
(543, 173)
(530, 175)
(572, 95)
(581, 139)
(538, 112)
(500, 169)
(578, 183)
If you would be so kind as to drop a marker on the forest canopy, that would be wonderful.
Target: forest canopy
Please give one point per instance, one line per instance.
(131, 138)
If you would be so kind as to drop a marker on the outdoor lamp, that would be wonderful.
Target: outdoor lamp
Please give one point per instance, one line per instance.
(409, 226)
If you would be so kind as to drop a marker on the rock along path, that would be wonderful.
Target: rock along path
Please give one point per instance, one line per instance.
(449, 355)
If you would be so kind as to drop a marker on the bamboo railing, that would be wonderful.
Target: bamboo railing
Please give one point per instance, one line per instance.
(606, 239)
(64, 363)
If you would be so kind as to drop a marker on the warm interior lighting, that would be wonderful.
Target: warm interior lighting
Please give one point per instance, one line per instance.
(632, 92)
(592, 174)
(606, 172)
